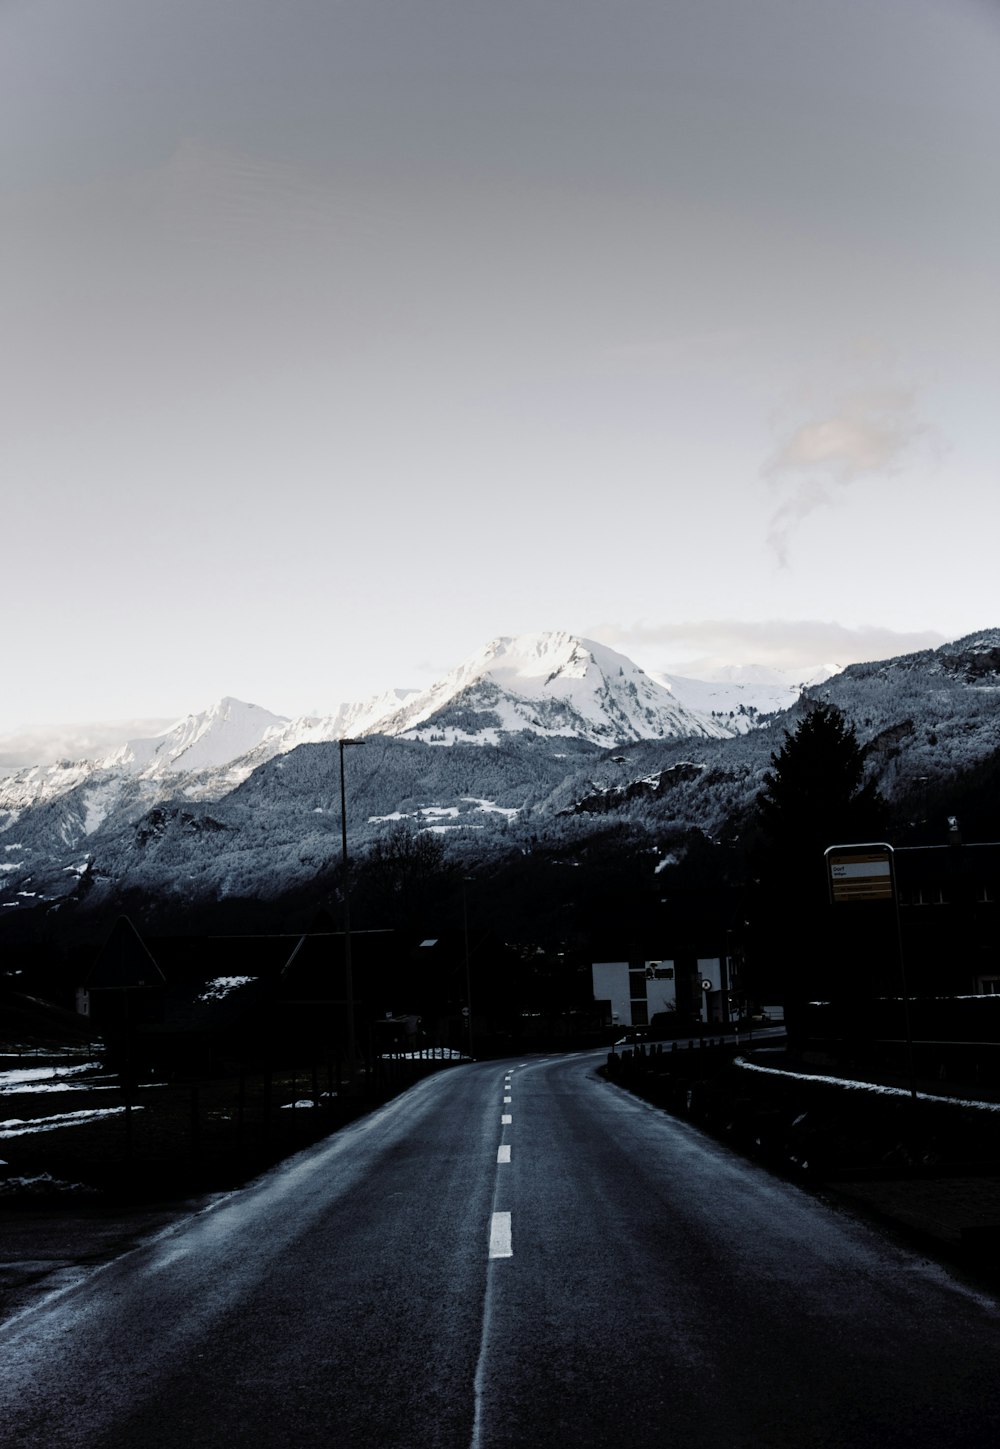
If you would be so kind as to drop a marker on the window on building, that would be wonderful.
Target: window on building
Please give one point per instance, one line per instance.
(930, 896)
(640, 1013)
(989, 985)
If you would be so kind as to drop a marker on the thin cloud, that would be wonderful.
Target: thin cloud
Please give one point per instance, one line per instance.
(778, 643)
(45, 744)
(806, 499)
(869, 434)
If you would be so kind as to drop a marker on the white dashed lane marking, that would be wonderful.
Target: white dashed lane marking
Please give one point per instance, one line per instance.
(506, 1120)
(503, 1153)
(500, 1241)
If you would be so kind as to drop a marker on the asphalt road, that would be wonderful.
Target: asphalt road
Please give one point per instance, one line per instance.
(620, 1280)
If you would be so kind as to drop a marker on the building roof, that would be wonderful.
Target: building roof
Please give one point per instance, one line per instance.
(124, 962)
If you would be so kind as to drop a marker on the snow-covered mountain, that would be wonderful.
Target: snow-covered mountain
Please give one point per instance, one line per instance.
(739, 696)
(554, 684)
(202, 741)
(549, 735)
(193, 757)
(350, 720)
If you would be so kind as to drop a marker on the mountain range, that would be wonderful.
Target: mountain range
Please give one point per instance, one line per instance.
(553, 684)
(535, 737)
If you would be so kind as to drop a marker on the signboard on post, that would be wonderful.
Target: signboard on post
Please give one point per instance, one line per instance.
(860, 872)
(865, 872)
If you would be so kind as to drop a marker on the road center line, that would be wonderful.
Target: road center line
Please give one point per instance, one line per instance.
(501, 1246)
(500, 1239)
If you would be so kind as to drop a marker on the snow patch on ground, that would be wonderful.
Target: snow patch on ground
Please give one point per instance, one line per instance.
(306, 1102)
(21, 1127)
(490, 807)
(42, 1185)
(221, 986)
(98, 804)
(431, 817)
(15, 1079)
(877, 1088)
(429, 1054)
(437, 735)
(669, 859)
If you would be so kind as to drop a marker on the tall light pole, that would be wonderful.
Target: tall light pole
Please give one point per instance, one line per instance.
(352, 1054)
(468, 973)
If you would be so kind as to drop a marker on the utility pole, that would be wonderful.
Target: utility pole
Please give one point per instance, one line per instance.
(352, 1055)
(468, 973)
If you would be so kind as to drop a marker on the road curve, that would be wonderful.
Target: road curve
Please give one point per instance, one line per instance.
(510, 1254)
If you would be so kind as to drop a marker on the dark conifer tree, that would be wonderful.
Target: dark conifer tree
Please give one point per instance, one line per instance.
(816, 794)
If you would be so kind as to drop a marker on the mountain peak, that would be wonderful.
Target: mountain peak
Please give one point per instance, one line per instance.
(552, 683)
(227, 729)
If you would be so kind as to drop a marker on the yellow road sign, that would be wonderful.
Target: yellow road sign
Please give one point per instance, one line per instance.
(860, 873)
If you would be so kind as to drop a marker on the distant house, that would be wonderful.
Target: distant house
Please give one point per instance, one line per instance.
(687, 988)
(124, 990)
(949, 899)
(176, 1003)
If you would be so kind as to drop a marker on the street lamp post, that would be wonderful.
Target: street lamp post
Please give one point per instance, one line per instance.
(468, 973)
(348, 969)
(730, 1000)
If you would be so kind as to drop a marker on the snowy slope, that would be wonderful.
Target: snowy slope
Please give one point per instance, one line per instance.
(193, 757)
(202, 741)
(201, 757)
(38, 784)
(554, 684)
(741, 696)
(364, 717)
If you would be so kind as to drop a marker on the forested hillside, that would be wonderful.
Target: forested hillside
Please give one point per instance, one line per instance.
(929, 725)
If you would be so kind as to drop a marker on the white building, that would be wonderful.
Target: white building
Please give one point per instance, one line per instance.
(637, 990)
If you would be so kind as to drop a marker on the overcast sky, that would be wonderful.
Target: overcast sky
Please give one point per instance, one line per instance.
(340, 336)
